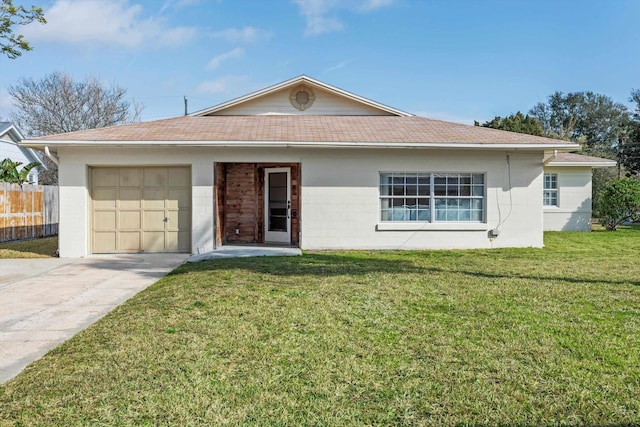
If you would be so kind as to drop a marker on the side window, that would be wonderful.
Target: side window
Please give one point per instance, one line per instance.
(550, 192)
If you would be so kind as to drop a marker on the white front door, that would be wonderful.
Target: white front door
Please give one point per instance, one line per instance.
(277, 205)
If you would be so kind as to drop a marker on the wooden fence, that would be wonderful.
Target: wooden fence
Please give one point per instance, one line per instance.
(28, 211)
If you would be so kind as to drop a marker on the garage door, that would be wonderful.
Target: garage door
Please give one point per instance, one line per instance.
(142, 209)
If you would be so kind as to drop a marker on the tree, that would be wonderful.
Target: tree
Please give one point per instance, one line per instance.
(630, 149)
(9, 171)
(516, 123)
(11, 15)
(591, 119)
(58, 104)
(620, 202)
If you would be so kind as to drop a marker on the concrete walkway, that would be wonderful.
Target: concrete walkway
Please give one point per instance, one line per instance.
(44, 302)
(242, 251)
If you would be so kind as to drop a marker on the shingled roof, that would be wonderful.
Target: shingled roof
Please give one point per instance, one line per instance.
(573, 159)
(383, 130)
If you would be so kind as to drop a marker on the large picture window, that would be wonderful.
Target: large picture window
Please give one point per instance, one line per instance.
(432, 197)
(550, 192)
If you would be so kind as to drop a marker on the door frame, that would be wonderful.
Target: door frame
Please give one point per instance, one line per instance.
(276, 236)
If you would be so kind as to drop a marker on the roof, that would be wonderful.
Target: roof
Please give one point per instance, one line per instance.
(306, 80)
(294, 130)
(573, 159)
(10, 128)
(10, 134)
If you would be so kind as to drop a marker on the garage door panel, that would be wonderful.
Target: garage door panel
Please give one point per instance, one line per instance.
(129, 241)
(104, 198)
(104, 177)
(129, 207)
(130, 220)
(155, 177)
(154, 220)
(178, 198)
(153, 198)
(104, 242)
(130, 177)
(178, 220)
(105, 220)
(179, 177)
(154, 242)
(130, 198)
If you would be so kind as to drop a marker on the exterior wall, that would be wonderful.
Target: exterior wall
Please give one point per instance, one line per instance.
(325, 103)
(574, 200)
(339, 195)
(341, 208)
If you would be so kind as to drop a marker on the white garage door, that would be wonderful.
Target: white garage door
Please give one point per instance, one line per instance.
(141, 209)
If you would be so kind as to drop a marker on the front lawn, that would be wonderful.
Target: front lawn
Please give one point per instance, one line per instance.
(36, 248)
(513, 337)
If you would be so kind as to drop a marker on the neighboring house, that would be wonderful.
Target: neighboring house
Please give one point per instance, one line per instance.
(299, 163)
(10, 136)
(567, 190)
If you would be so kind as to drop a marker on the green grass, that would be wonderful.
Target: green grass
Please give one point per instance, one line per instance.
(37, 248)
(485, 337)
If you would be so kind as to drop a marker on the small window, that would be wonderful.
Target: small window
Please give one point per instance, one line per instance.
(550, 192)
(432, 197)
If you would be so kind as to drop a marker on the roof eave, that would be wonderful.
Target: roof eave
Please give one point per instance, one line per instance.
(287, 144)
(584, 164)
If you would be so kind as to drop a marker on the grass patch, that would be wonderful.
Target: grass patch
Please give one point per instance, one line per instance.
(483, 337)
(37, 248)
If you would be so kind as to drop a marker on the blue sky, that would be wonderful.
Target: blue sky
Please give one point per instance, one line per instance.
(456, 60)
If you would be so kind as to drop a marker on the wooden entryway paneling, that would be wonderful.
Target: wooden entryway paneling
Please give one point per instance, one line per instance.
(140, 209)
(239, 196)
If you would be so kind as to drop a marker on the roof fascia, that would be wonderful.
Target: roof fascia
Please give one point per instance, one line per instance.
(565, 147)
(298, 80)
(584, 164)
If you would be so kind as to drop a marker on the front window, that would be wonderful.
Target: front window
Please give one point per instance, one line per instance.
(550, 192)
(432, 197)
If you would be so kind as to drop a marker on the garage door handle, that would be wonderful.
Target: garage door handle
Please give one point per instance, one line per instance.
(166, 219)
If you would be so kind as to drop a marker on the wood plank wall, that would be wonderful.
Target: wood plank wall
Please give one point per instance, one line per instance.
(240, 201)
(27, 211)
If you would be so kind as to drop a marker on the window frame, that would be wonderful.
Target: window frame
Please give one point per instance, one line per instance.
(549, 194)
(436, 197)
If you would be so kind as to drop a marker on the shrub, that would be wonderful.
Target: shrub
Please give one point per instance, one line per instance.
(620, 202)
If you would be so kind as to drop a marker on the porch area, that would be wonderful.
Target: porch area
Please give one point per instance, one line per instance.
(257, 203)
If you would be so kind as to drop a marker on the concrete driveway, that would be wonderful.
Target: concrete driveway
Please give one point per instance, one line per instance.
(44, 302)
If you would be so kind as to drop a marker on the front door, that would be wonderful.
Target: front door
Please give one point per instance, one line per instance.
(277, 205)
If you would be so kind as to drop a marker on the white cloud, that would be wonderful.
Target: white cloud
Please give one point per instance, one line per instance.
(107, 22)
(318, 13)
(371, 5)
(242, 35)
(224, 84)
(315, 13)
(338, 66)
(216, 61)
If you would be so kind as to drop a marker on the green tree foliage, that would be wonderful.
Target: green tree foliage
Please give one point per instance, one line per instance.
(9, 171)
(594, 120)
(516, 123)
(11, 44)
(620, 202)
(630, 150)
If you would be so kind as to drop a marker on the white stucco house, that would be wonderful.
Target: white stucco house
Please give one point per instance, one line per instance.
(306, 164)
(10, 138)
(567, 190)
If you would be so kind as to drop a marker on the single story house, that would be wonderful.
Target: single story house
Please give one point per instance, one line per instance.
(300, 163)
(10, 138)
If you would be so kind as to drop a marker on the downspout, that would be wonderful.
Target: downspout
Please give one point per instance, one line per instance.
(551, 158)
(51, 156)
